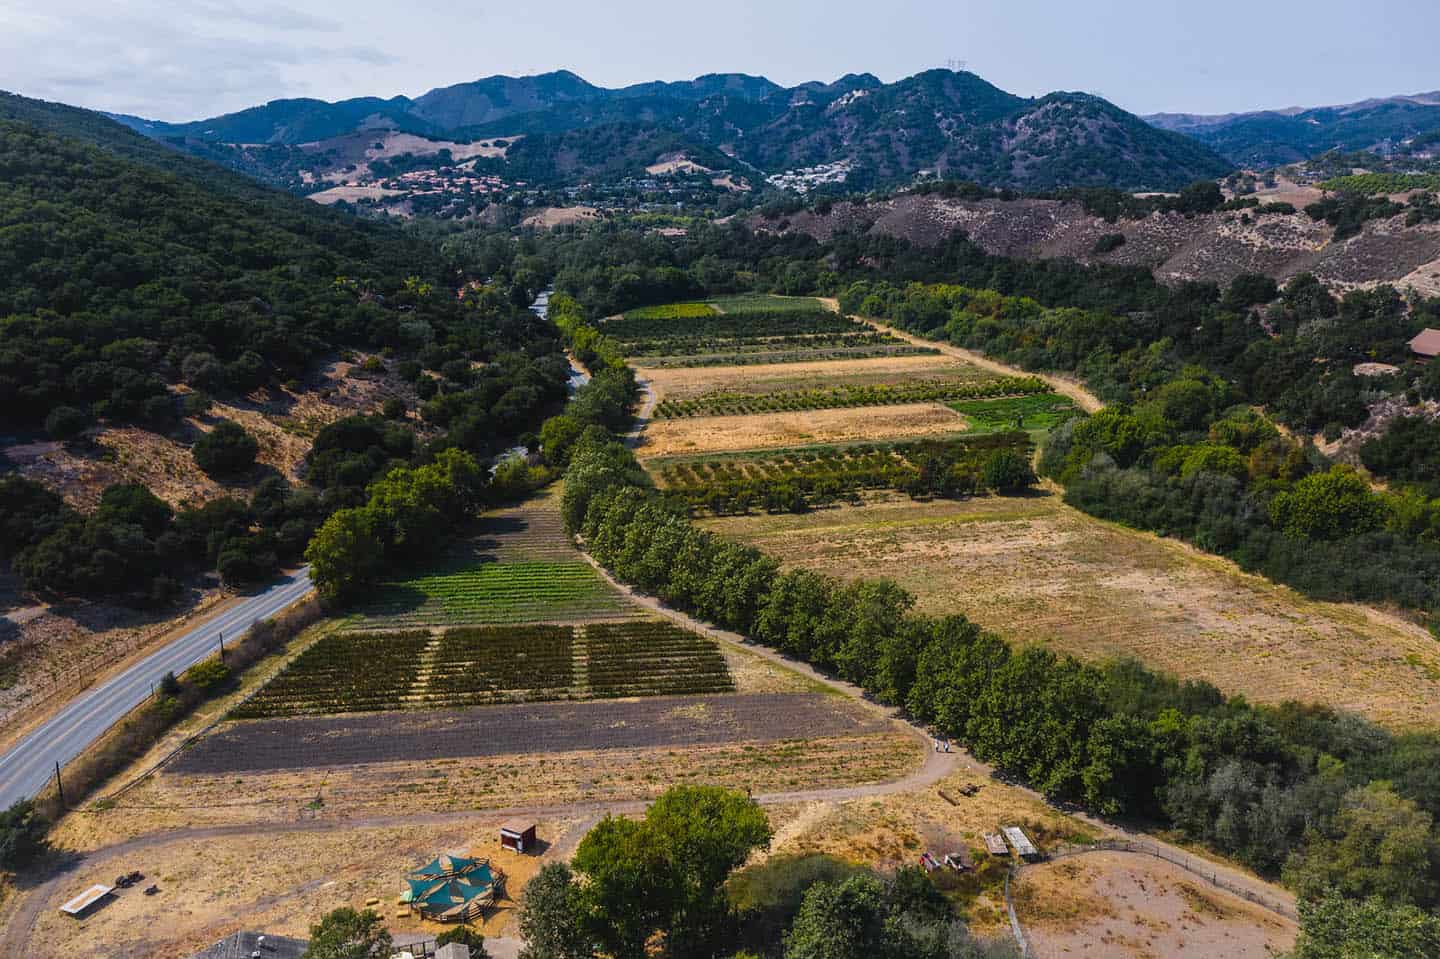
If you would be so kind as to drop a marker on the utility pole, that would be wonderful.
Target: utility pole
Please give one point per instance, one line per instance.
(60, 786)
(222, 646)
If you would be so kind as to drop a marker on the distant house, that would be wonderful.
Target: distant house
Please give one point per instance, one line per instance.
(1426, 344)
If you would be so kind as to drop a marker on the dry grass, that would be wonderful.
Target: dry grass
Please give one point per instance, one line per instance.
(553, 216)
(174, 800)
(280, 884)
(886, 832)
(1137, 907)
(709, 434)
(680, 383)
(1034, 569)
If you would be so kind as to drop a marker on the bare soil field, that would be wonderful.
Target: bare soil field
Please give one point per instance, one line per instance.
(1138, 907)
(270, 744)
(1036, 570)
(683, 383)
(707, 434)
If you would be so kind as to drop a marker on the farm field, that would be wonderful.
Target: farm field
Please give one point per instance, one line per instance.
(693, 382)
(746, 329)
(1137, 907)
(668, 721)
(473, 666)
(1036, 570)
(519, 567)
(710, 434)
(820, 475)
(1038, 413)
(772, 354)
(843, 397)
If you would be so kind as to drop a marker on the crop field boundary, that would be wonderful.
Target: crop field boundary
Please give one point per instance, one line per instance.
(374, 671)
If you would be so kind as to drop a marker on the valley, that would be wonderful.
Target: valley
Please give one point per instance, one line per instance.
(717, 519)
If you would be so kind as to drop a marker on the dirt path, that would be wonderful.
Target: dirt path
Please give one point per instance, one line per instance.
(15, 937)
(1063, 385)
(1257, 889)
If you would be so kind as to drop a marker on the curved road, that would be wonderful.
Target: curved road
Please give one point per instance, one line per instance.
(30, 765)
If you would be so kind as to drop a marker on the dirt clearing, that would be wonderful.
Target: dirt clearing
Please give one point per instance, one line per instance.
(1128, 905)
(1034, 569)
(709, 434)
(280, 884)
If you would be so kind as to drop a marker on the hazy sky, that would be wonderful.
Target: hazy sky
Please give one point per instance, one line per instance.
(187, 59)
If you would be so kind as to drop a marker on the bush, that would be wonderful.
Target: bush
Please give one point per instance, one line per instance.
(1007, 472)
(66, 422)
(197, 403)
(1108, 243)
(22, 835)
(227, 450)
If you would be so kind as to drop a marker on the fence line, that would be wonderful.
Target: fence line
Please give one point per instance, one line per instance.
(1015, 928)
(1192, 865)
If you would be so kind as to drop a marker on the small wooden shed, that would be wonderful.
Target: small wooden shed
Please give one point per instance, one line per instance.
(1024, 848)
(995, 844)
(517, 834)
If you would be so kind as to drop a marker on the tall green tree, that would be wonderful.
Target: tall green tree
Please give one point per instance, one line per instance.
(347, 933)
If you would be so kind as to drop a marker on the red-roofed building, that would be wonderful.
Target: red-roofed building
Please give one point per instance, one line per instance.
(1426, 344)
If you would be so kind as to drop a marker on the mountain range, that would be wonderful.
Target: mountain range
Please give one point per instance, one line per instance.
(1268, 138)
(952, 123)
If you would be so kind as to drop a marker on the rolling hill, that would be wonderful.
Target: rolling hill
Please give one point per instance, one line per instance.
(951, 123)
(1269, 138)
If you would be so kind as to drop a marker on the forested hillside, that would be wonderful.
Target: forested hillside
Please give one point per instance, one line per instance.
(136, 284)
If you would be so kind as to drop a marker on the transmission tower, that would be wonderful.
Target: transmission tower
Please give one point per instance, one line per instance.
(958, 66)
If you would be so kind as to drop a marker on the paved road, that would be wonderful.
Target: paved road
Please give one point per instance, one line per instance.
(26, 769)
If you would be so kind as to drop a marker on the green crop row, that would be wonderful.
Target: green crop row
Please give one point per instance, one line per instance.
(809, 355)
(797, 480)
(367, 672)
(921, 391)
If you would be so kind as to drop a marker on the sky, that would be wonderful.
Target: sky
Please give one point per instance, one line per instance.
(191, 59)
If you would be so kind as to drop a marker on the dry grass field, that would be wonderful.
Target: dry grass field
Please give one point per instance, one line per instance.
(681, 383)
(279, 883)
(711, 434)
(1036, 570)
(1136, 907)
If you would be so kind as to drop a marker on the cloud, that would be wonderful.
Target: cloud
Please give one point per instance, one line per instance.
(173, 62)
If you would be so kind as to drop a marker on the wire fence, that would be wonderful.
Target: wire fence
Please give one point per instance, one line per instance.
(1191, 864)
(1015, 927)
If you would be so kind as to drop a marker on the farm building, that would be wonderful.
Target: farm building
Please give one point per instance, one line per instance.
(995, 844)
(517, 834)
(452, 888)
(1426, 344)
(1024, 848)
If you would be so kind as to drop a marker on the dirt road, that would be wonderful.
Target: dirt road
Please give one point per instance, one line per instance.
(1063, 385)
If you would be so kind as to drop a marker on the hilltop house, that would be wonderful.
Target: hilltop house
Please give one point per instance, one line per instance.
(1426, 344)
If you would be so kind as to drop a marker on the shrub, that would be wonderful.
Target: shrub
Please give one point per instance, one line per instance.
(1007, 471)
(227, 450)
(66, 422)
(1108, 243)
